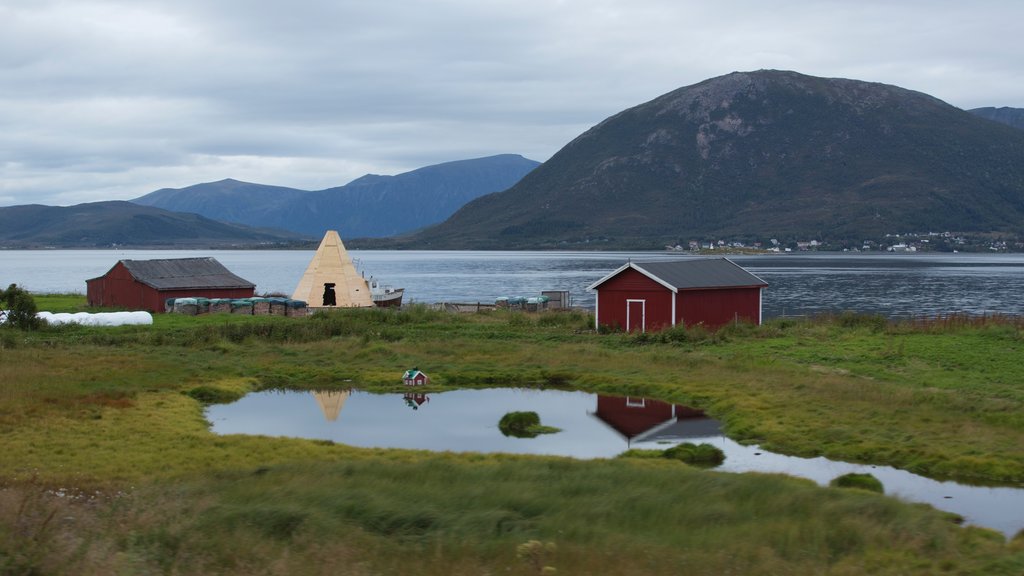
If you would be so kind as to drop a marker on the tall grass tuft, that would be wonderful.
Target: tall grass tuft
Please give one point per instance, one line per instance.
(703, 455)
(859, 481)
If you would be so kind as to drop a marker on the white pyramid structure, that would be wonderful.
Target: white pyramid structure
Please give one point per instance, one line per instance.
(331, 280)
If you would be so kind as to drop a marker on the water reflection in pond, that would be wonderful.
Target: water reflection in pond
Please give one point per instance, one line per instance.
(593, 426)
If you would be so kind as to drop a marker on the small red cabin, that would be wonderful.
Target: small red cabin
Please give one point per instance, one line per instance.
(712, 292)
(147, 284)
(415, 377)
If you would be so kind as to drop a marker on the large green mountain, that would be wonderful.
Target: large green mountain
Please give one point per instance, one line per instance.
(371, 206)
(758, 155)
(115, 223)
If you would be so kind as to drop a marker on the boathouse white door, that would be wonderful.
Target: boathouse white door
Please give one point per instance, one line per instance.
(636, 315)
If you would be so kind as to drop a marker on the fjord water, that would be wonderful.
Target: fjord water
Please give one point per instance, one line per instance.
(467, 421)
(897, 285)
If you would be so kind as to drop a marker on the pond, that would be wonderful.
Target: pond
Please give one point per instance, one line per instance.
(593, 426)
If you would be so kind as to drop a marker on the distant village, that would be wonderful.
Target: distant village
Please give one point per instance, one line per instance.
(911, 242)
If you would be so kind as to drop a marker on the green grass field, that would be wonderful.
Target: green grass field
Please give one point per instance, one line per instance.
(109, 467)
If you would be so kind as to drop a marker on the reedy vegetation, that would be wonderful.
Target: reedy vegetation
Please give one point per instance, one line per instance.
(114, 416)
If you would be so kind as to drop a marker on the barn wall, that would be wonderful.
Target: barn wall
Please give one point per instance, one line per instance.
(718, 307)
(116, 288)
(628, 285)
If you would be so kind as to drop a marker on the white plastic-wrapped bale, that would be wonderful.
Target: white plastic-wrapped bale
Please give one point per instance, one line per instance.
(98, 319)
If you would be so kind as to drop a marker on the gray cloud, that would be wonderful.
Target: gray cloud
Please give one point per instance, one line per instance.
(111, 99)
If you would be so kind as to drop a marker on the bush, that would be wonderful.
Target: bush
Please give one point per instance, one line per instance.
(523, 425)
(704, 455)
(213, 395)
(21, 308)
(861, 481)
(517, 423)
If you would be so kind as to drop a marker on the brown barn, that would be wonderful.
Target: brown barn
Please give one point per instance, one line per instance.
(655, 295)
(147, 284)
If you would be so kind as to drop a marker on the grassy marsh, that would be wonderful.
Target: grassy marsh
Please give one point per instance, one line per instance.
(113, 416)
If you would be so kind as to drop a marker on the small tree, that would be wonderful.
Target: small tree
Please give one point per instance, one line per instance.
(21, 308)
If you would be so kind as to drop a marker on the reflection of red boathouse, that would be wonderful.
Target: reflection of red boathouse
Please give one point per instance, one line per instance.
(646, 420)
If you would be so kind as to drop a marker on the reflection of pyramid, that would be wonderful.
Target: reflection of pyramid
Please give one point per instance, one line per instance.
(331, 402)
(331, 280)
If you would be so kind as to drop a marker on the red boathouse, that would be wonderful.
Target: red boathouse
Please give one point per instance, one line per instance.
(147, 284)
(643, 296)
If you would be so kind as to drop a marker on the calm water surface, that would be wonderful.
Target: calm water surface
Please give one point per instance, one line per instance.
(466, 421)
(890, 284)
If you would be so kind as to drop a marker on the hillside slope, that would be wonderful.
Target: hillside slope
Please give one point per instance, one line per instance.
(758, 155)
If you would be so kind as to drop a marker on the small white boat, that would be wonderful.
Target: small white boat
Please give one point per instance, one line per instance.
(384, 295)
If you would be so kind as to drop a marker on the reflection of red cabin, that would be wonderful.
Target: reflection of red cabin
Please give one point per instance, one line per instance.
(642, 296)
(415, 399)
(643, 419)
(147, 284)
(415, 377)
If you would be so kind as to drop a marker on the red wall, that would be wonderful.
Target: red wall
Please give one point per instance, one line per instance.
(711, 307)
(632, 285)
(715, 308)
(118, 289)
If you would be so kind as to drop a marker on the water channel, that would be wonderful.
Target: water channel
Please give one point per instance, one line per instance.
(593, 426)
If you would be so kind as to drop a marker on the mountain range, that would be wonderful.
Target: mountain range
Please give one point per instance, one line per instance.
(754, 156)
(119, 223)
(747, 156)
(370, 206)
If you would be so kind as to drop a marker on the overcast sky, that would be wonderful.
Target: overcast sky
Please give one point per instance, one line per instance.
(112, 99)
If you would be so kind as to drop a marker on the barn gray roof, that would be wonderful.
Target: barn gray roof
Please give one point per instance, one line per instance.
(693, 274)
(187, 273)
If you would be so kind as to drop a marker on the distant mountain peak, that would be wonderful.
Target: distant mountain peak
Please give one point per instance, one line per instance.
(1013, 117)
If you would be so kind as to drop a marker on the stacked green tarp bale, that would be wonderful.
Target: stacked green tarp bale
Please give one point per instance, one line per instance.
(516, 302)
(501, 302)
(295, 308)
(260, 306)
(220, 306)
(540, 301)
(202, 305)
(169, 305)
(278, 306)
(186, 306)
(242, 306)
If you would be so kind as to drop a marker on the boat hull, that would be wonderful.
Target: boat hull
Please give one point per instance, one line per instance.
(389, 299)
